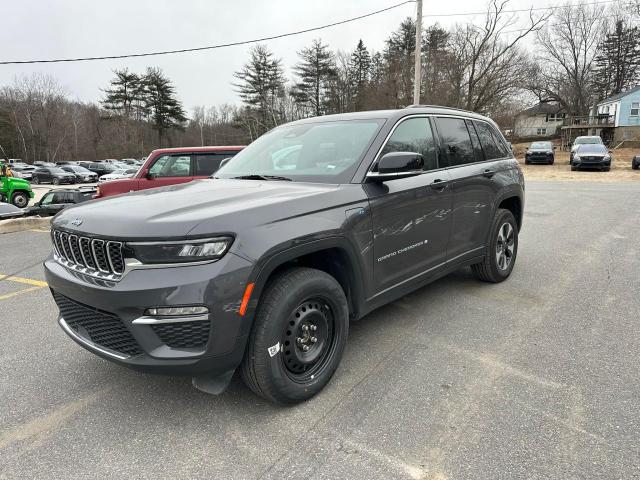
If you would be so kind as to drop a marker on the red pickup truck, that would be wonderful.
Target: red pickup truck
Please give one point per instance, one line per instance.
(170, 166)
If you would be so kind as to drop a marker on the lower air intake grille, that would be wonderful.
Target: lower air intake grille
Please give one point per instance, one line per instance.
(183, 334)
(102, 328)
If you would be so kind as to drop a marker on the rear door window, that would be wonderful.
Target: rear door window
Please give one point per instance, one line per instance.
(207, 164)
(475, 141)
(455, 141)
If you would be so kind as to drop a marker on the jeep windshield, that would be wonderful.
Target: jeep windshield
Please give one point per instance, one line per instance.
(321, 152)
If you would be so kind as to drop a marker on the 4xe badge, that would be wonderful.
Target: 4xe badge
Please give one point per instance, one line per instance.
(77, 222)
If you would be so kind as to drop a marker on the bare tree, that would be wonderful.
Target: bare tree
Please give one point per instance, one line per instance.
(569, 44)
(493, 64)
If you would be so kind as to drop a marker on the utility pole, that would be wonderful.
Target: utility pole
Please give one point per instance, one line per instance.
(418, 63)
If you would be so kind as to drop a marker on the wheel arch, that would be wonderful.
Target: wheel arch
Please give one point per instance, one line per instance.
(513, 202)
(335, 256)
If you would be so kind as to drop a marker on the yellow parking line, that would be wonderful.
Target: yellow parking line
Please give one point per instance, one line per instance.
(27, 281)
(19, 292)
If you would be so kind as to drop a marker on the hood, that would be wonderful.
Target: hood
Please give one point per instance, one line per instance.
(213, 206)
(17, 182)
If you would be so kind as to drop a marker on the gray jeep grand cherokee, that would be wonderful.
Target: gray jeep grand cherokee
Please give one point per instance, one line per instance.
(262, 267)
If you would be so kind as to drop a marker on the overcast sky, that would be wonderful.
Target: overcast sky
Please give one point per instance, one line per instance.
(37, 29)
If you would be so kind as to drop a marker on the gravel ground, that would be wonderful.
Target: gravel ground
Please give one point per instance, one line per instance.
(536, 377)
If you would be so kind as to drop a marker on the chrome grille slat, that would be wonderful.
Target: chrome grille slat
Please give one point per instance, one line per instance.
(92, 256)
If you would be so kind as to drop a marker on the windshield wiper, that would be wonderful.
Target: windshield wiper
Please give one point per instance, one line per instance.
(261, 177)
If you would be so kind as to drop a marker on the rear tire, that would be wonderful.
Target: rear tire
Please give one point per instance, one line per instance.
(501, 253)
(573, 169)
(298, 336)
(55, 181)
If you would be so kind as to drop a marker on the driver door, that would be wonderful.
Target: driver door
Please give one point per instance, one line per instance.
(411, 216)
(168, 170)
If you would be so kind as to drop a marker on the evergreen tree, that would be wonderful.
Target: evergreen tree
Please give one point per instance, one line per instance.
(123, 92)
(261, 87)
(399, 60)
(164, 109)
(317, 72)
(360, 70)
(617, 63)
(437, 58)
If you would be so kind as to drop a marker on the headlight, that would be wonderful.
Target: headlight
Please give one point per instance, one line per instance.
(182, 251)
(576, 157)
(607, 157)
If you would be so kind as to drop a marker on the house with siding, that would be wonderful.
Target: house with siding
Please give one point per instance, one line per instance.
(615, 119)
(542, 120)
(624, 110)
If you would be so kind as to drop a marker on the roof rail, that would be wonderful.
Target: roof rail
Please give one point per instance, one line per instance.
(439, 106)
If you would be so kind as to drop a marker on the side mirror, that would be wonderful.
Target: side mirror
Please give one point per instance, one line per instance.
(151, 175)
(398, 165)
(555, 148)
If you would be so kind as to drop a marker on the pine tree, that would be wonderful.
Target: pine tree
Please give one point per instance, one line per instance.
(124, 90)
(317, 71)
(261, 87)
(617, 64)
(360, 71)
(399, 60)
(436, 57)
(164, 109)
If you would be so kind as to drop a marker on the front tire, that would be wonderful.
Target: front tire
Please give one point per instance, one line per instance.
(502, 250)
(20, 199)
(298, 337)
(55, 181)
(36, 180)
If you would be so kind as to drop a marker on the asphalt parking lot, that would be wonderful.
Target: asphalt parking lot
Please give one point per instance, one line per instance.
(537, 377)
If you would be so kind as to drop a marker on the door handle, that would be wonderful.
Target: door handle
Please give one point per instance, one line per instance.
(438, 184)
(488, 173)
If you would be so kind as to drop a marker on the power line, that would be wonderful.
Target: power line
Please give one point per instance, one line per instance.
(208, 47)
(520, 10)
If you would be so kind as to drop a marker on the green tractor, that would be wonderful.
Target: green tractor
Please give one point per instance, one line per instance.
(15, 190)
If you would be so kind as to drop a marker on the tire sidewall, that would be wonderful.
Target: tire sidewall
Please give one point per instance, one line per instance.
(273, 324)
(20, 195)
(502, 217)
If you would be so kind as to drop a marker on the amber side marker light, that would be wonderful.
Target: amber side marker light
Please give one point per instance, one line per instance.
(245, 299)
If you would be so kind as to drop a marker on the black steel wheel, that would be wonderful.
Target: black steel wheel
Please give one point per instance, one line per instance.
(299, 333)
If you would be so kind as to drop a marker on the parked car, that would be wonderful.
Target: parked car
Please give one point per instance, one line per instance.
(171, 166)
(591, 156)
(261, 269)
(38, 163)
(584, 140)
(635, 162)
(23, 171)
(54, 175)
(55, 200)
(118, 174)
(16, 191)
(540, 152)
(82, 174)
(100, 168)
(8, 210)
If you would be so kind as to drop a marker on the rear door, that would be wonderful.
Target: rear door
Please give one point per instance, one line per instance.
(207, 164)
(411, 216)
(472, 165)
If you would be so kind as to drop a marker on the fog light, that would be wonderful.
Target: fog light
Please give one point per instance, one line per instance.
(176, 311)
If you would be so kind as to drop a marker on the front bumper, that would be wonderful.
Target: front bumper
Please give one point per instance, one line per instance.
(108, 318)
(598, 162)
(539, 158)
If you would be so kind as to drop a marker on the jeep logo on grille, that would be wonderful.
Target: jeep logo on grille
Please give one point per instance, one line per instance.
(77, 222)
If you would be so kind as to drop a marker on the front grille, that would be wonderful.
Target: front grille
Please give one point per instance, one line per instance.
(93, 254)
(102, 328)
(590, 159)
(183, 334)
